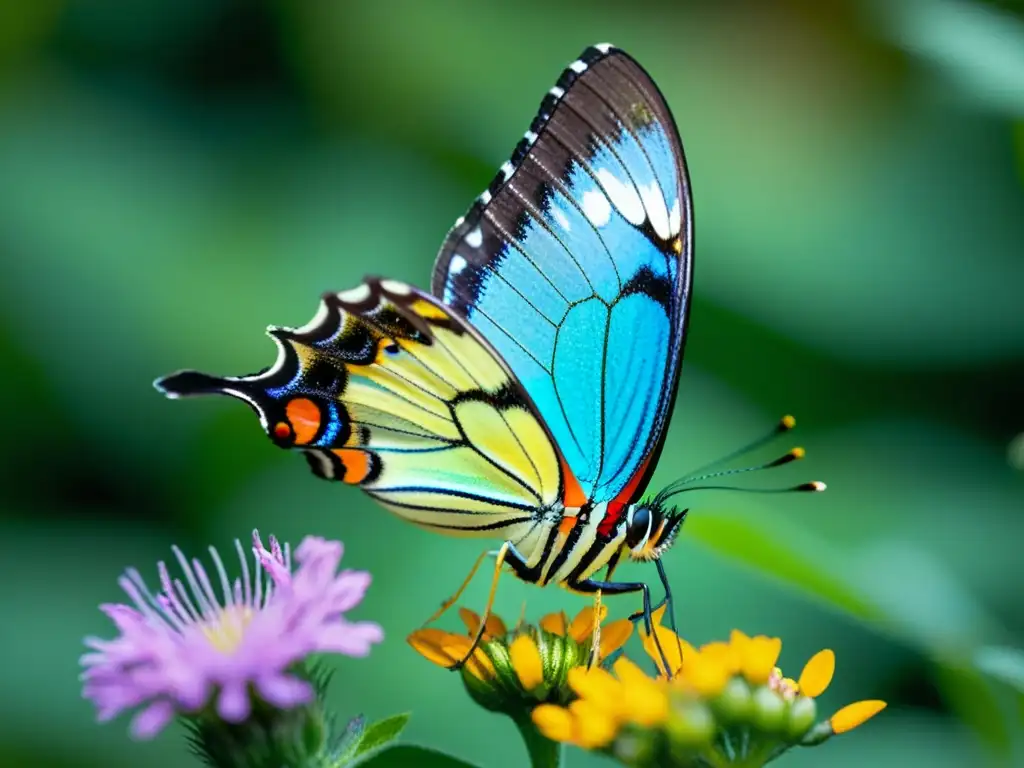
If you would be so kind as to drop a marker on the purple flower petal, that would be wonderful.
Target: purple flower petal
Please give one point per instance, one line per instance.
(284, 691)
(233, 703)
(178, 650)
(150, 721)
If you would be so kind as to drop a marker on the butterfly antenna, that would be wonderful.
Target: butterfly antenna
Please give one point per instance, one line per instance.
(687, 483)
(785, 424)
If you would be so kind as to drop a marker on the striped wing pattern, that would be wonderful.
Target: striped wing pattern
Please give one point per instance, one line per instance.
(387, 389)
(576, 265)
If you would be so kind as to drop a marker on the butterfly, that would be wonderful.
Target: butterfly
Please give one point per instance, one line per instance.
(525, 398)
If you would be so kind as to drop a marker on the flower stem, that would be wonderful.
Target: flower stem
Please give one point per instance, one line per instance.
(543, 752)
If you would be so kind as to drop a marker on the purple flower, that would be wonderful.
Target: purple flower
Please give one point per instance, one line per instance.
(190, 644)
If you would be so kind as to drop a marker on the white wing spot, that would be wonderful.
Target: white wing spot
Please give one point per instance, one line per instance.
(557, 92)
(395, 287)
(604, 47)
(355, 295)
(578, 66)
(623, 196)
(507, 170)
(485, 197)
(530, 137)
(475, 238)
(558, 216)
(596, 207)
(456, 265)
(675, 218)
(326, 466)
(654, 202)
(459, 221)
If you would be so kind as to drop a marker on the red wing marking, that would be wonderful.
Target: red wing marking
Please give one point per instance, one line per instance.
(616, 505)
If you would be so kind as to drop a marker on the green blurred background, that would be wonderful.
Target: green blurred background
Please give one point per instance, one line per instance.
(177, 174)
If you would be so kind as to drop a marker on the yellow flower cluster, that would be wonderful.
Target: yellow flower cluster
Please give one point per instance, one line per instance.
(705, 693)
(529, 664)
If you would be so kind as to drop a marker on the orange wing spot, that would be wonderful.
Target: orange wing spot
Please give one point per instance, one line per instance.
(282, 431)
(356, 462)
(304, 415)
(428, 310)
(573, 496)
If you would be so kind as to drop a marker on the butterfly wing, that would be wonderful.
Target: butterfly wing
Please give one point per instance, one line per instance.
(387, 389)
(576, 264)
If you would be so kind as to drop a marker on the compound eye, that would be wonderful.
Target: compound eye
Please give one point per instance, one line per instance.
(639, 527)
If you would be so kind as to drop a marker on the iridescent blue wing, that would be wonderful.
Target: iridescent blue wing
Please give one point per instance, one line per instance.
(576, 265)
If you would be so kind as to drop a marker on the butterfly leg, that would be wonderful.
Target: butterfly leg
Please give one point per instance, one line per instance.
(666, 600)
(499, 563)
(462, 588)
(595, 639)
(590, 586)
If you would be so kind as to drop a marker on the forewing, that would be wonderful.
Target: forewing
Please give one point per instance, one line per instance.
(576, 265)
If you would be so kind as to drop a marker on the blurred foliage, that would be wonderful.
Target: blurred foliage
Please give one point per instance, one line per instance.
(178, 177)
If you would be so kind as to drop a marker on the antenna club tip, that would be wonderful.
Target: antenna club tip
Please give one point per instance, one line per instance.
(815, 487)
(787, 422)
(798, 453)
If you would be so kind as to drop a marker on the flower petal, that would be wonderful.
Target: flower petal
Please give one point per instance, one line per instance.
(555, 623)
(526, 662)
(817, 673)
(471, 619)
(430, 643)
(596, 685)
(672, 646)
(493, 629)
(233, 704)
(614, 636)
(583, 626)
(595, 728)
(706, 673)
(725, 653)
(555, 723)
(479, 664)
(853, 715)
(284, 691)
(759, 658)
(643, 700)
(150, 721)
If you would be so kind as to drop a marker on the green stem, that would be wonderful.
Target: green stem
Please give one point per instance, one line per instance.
(544, 753)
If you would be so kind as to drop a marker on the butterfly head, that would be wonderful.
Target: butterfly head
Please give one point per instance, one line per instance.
(651, 529)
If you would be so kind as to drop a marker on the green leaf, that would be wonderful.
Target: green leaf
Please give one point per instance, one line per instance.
(775, 555)
(404, 756)
(348, 743)
(974, 699)
(378, 734)
(1002, 663)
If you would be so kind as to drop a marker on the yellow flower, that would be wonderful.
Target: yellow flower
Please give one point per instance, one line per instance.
(513, 670)
(722, 693)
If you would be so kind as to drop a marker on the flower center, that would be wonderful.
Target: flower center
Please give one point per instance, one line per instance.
(225, 633)
(784, 686)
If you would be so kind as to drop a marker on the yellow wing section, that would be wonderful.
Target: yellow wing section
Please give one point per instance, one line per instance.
(386, 388)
